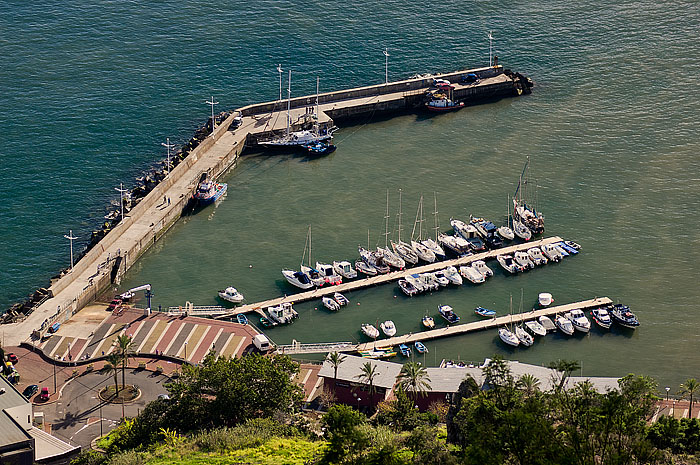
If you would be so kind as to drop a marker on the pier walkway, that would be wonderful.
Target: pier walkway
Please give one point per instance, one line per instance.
(385, 278)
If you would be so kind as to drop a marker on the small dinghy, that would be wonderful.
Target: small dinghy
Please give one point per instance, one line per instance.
(242, 319)
(545, 299)
(573, 245)
(230, 294)
(428, 322)
(524, 337)
(579, 320)
(340, 299)
(408, 288)
(546, 323)
(535, 328)
(567, 247)
(266, 322)
(601, 317)
(453, 275)
(420, 347)
(330, 304)
(564, 325)
(508, 337)
(481, 311)
(388, 328)
(481, 267)
(405, 350)
(370, 331)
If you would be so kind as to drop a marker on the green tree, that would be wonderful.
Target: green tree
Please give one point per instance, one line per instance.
(414, 379)
(112, 368)
(529, 384)
(367, 374)
(335, 360)
(688, 390)
(467, 389)
(124, 343)
(563, 370)
(341, 429)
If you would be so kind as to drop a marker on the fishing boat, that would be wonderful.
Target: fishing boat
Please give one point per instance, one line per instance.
(505, 231)
(405, 350)
(564, 325)
(340, 299)
(242, 319)
(481, 267)
(441, 278)
(448, 314)
(209, 191)
(622, 315)
(481, 311)
(523, 336)
(231, 294)
(328, 273)
(283, 313)
(370, 331)
(523, 210)
(537, 256)
(433, 244)
(408, 288)
(453, 275)
(535, 328)
(428, 322)
(470, 273)
(507, 263)
(464, 230)
(388, 328)
(545, 299)
(330, 304)
(344, 269)
(364, 268)
(523, 259)
(551, 252)
(424, 253)
(546, 323)
(601, 317)
(297, 278)
(420, 347)
(579, 320)
(508, 337)
(442, 105)
(321, 147)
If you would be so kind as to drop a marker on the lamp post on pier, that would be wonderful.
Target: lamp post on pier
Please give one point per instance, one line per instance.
(71, 238)
(490, 50)
(667, 389)
(169, 146)
(279, 70)
(121, 191)
(212, 103)
(386, 66)
(185, 351)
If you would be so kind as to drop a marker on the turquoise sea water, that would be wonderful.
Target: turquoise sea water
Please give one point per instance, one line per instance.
(90, 89)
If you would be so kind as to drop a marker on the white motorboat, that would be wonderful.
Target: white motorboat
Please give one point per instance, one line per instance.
(523, 259)
(283, 313)
(328, 273)
(370, 331)
(416, 281)
(535, 328)
(441, 278)
(330, 304)
(508, 337)
(546, 323)
(340, 298)
(453, 275)
(365, 268)
(506, 261)
(537, 256)
(579, 320)
(231, 294)
(344, 269)
(523, 336)
(391, 259)
(545, 299)
(455, 243)
(551, 252)
(408, 288)
(430, 282)
(602, 317)
(564, 324)
(470, 273)
(466, 231)
(521, 230)
(298, 279)
(313, 275)
(388, 328)
(482, 268)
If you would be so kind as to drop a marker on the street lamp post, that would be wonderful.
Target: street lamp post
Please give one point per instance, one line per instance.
(358, 403)
(169, 146)
(279, 70)
(121, 191)
(185, 351)
(55, 387)
(386, 66)
(100, 400)
(70, 238)
(212, 103)
(667, 389)
(490, 52)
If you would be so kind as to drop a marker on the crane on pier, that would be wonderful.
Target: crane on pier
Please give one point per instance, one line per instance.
(147, 288)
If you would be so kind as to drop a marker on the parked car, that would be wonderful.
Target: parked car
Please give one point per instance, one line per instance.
(116, 302)
(44, 394)
(163, 396)
(12, 358)
(30, 391)
(469, 78)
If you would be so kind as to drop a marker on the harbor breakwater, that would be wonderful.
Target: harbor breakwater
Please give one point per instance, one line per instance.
(117, 247)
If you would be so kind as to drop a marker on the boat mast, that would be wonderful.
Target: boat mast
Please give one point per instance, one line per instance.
(316, 125)
(306, 244)
(399, 238)
(289, 100)
(309, 246)
(386, 222)
(417, 223)
(435, 214)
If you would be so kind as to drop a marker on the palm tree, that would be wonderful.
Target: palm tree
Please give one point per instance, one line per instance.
(367, 374)
(414, 378)
(529, 384)
(113, 368)
(688, 389)
(124, 342)
(335, 359)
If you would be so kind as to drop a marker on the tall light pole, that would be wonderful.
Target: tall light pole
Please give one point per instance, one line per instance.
(386, 66)
(279, 70)
(169, 146)
(490, 53)
(185, 351)
(667, 389)
(70, 237)
(121, 191)
(212, 103)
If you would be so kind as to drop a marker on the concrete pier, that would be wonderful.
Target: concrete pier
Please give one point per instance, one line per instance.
(107, 261)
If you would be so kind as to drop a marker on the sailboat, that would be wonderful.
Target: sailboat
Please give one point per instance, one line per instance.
(299, 278)
(506, 335)
(296, 139)
(523, 212)
(390, 258)
(314, 275)
(523, 336)
(504, 231)
(402, 248)
(423, 252)
(433, 244)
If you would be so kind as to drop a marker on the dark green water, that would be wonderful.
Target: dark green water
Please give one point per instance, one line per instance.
(611, 127)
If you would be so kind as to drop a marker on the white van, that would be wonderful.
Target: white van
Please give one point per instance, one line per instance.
(262, 343)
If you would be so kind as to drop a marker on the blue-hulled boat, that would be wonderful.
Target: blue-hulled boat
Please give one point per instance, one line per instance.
(319, 148)
(567, 247)
(481, 311)
(405, 350)
(448, 314)
(622, 315)
(242, 319)
(420, 347)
